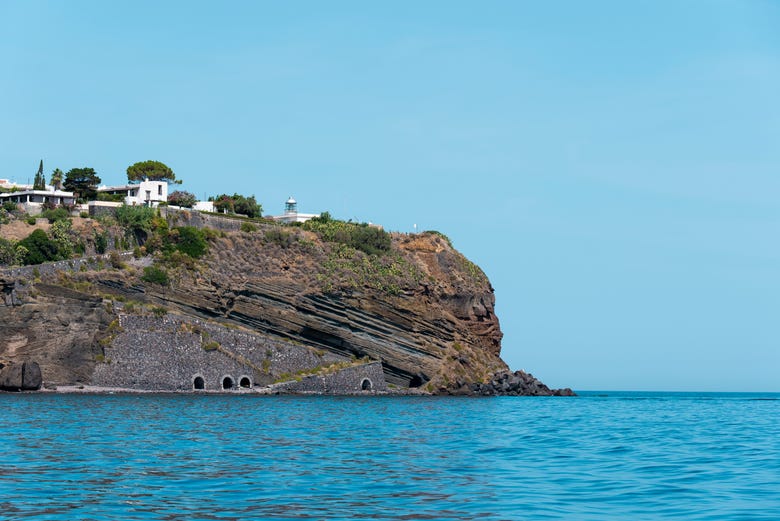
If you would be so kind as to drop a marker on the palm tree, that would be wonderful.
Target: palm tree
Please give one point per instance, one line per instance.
(56, 178)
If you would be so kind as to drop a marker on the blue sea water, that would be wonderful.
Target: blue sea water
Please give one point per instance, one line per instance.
(600, 456)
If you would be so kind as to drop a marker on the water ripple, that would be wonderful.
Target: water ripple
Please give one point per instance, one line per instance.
(603, 456)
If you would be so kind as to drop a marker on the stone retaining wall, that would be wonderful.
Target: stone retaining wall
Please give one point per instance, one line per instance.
(49, 268)
(181, 217)
(169, 353)
(356, 379)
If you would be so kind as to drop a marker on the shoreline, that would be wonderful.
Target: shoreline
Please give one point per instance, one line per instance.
(262, 391)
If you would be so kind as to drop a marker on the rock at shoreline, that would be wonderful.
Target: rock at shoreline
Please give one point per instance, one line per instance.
(519, 383)
(21, 377)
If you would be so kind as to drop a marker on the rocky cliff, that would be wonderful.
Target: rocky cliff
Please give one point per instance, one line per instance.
(54, 326)
(421, 309)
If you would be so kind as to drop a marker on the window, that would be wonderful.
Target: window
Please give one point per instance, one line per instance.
(159, 190)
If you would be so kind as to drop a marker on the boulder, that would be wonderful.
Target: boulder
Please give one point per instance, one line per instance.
(21, 377)
(519, 383)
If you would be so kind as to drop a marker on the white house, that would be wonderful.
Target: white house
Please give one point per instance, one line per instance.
(33, 200)
(291, 214)
(204, 206)
(146, 193)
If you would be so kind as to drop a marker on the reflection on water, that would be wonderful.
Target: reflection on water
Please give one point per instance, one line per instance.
(178, 457)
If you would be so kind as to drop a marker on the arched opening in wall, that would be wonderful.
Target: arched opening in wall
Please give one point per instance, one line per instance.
(228, 383)
(198, 383)
(245, 382)
(365, 385)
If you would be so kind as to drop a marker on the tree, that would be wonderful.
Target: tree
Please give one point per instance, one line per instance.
(152, 170)
(56, 178)
(182, 198)
(237, 203)
(61, 232)
(247, 205)
(40, 181)
(223, 204)
(7, 252)
(83, 181)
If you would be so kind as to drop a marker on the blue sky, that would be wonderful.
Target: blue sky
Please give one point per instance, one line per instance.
(613, 166)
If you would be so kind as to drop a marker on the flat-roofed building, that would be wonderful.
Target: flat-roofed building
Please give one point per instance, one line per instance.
(145, 193)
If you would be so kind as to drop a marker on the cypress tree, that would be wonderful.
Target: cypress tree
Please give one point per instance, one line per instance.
(40, 181)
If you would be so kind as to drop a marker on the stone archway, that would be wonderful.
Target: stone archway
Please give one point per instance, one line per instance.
(198, 383)
(245, 382)
(366, 385)
(228, 382)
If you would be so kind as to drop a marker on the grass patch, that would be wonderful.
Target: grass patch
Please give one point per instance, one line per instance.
(210, 345)
(155, 275)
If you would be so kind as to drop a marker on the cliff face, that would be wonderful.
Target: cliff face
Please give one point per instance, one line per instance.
(56, 327)
(423, 310)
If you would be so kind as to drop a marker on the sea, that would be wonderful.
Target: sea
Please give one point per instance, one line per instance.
(598, 456)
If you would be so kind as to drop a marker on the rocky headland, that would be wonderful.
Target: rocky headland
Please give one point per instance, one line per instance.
(267, 307)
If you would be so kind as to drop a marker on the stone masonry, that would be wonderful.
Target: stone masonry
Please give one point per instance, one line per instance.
(171, 353)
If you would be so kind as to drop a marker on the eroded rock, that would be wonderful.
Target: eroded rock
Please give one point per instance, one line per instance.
(25, 376)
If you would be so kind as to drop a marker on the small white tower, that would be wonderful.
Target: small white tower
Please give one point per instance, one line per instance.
(291, 207)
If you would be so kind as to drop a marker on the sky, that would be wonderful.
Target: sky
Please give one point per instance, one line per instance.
(614, 167)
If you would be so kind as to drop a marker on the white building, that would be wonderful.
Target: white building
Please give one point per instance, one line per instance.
(145, 193)
(33, 200)
(204, 206)
(291, 214)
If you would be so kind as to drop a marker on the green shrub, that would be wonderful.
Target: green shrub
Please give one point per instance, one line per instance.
(281, 237)
(113, 198)
(135, 217)
(248, 227)
(363, 237)
(39, 248)
(101, 242)
(190, 241)
(10, 206)
(116, 261)
(155, 275)
(31, 221)
(7, 252)
(55, 214)
(61, 234)
(84, 215)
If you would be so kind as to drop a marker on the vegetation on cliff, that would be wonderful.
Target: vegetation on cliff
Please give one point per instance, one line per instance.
(410, 301)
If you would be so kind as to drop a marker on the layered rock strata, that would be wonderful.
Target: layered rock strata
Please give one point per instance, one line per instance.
(422, 312)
